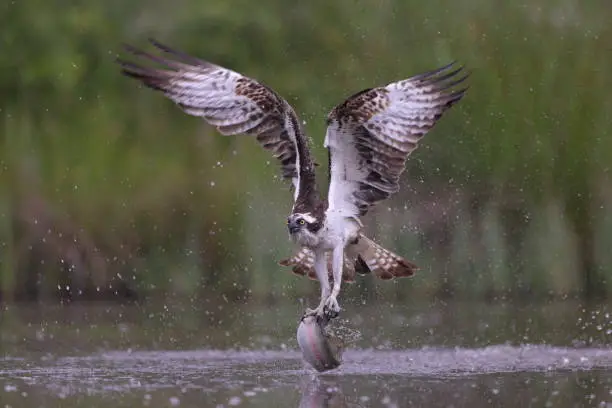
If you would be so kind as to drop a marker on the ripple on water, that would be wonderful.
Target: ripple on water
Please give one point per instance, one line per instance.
(214, 369)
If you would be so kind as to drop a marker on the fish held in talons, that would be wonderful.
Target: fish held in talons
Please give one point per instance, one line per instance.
(320, 348)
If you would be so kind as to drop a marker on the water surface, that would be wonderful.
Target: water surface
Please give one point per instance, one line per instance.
(434, 354)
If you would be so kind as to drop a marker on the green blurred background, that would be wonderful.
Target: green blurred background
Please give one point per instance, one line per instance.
(108, 190)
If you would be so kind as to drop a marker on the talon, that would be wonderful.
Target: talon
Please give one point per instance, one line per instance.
(330, 314)
(319, 312)
(307, 313)
(331, 307)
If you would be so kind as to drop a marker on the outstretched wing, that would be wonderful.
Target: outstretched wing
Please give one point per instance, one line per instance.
(372, 133)
(231, 102)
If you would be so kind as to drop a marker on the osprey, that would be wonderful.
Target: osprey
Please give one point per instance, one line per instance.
(369, 137)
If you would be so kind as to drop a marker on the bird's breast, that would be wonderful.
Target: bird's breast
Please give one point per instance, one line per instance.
(306, 239)
(338, 230)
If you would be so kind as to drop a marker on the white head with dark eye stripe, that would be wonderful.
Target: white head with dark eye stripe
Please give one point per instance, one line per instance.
(303, 227)
(299, 221)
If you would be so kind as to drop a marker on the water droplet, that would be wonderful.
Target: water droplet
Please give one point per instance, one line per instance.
(234, 401)
(10, 388)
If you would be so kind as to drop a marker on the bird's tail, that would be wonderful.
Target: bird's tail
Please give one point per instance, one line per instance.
(302, 264)
(362, 257)
(371, 257)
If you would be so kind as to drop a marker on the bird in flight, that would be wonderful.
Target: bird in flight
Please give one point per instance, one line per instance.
(369, 137)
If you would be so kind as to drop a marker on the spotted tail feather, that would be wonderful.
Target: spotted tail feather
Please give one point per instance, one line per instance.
(363, 257)
(302, 264)
(385, 264)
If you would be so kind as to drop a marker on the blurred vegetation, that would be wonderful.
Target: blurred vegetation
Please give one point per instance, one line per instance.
(110, 190)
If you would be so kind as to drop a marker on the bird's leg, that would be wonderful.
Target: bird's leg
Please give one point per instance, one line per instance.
(337, 263)
(320, 266)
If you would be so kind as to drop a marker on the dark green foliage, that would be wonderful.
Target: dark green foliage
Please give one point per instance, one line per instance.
(108, 188)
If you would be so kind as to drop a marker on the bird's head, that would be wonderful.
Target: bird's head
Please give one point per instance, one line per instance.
(302, 224)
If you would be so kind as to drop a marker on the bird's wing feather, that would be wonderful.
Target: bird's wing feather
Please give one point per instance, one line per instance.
(231, 102)
(371, 134)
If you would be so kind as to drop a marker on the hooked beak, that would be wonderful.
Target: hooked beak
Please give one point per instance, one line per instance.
(293, 227)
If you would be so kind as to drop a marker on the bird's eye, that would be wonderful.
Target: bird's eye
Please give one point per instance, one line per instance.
(302, 222)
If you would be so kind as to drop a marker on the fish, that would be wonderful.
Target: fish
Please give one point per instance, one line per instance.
(320, 347)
